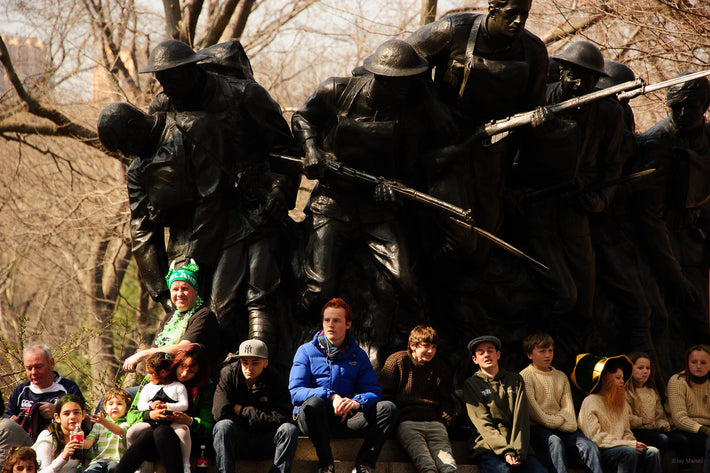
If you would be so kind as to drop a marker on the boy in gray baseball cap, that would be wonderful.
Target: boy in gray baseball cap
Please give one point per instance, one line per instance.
(252, 407)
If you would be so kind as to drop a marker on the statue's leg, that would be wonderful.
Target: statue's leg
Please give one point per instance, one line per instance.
(326, 243)
(398, 308)
(227, 293)
(263, 281)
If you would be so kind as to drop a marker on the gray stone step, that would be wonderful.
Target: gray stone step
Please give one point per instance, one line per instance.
(393, 459)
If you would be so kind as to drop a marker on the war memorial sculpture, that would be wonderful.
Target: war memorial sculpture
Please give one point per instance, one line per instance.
(455, 187)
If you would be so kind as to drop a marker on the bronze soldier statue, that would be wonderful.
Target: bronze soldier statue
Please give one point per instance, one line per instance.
(172, 183)
(581, 145)
(679, 148)
(486, 67)
(625, 262)
(235, 204)
(382, 122)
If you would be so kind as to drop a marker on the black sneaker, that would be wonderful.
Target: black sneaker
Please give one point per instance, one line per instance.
(361, 469)
(326, 469)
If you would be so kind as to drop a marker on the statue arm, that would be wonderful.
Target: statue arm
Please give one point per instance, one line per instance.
(433, 41)
(148, 239)
(316, 116)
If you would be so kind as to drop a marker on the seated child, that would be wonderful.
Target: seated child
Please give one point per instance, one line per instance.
(420, 385)
(604, 415)
(57, 450)
(109, 436)
(20, 460)
(553, 423)
(688, 397)
(649, 423)
(164, 394)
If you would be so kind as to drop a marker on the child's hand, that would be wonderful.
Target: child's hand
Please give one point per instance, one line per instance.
(99, 419)
(181, 418)
(70, 448)
(157, 405)
(648, 420)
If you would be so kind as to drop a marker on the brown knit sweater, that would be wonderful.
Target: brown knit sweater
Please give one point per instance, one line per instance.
(421, 392)
(645, 402)
(550, 399)
(604, 427)
(688, 404)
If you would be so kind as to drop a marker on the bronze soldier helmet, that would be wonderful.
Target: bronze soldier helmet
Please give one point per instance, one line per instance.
(395, 58)
(616, 73)
(583, 54)
(170, 54)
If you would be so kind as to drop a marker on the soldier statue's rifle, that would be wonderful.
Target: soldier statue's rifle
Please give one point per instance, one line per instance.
(625, 90)
(460, 216)
(576, 186)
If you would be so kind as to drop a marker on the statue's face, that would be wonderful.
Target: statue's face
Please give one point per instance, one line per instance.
(577, 80)
(509, 21)
(688, 114)
(179, 83)
(394, 88)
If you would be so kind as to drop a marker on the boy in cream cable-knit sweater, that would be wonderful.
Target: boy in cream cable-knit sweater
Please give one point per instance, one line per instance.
(553, 426)
(604, 417)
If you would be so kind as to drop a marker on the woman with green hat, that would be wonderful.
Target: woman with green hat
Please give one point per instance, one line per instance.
(192, 322)
(605, 416)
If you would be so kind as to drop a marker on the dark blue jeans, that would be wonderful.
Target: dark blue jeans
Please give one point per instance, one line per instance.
(317, 420)
(492, 463)
(101, 466)
(551, 445)
(232, 441)
(626, 459)
(675, 440)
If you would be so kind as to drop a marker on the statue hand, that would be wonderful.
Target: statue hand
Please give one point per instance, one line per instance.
(591, 202)
(314, 161)
(540, 116)
(384, 193)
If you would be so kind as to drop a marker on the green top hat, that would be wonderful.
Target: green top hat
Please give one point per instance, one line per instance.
(588, 369)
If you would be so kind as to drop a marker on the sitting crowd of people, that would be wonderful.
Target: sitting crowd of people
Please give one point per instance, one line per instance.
(518, 422)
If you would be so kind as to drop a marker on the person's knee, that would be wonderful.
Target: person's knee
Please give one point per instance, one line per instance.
(628, 455)
(662, 442)
(554, 442)
(386, 409)
(314, 406)
(653, 452)
(223, 429)
(286, 433)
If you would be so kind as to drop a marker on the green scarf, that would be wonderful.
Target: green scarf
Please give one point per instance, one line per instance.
(173, 330)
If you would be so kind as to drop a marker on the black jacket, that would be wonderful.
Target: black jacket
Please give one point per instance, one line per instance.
(265, 405)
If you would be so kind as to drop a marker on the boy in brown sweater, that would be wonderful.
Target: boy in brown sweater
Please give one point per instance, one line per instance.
(420, 385)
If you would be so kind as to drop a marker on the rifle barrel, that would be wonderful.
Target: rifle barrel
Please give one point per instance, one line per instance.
(663, 84)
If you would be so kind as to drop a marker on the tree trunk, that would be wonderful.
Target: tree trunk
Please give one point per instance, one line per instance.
(428, 12)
